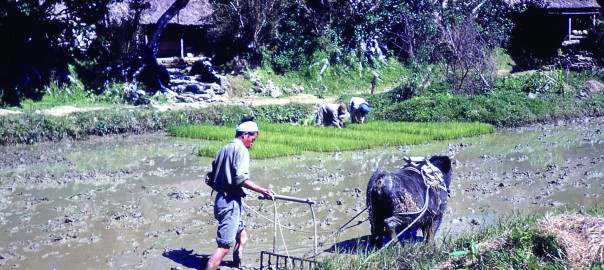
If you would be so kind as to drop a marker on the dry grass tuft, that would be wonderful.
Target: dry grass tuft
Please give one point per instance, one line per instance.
(495, 244)
(592, 86)
(581, 237)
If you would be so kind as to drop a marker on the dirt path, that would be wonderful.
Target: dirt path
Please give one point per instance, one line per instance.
(59, 111)
(301, 98)
(254, 101)
(249, 101)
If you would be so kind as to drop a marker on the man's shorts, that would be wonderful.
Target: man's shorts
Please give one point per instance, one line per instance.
(228, 211)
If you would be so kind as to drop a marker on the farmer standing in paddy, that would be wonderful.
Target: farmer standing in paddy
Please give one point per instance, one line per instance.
(230, 174)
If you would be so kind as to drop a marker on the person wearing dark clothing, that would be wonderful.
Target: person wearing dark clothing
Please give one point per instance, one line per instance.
(331, 115)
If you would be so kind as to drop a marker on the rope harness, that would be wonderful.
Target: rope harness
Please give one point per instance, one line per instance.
(431, 175)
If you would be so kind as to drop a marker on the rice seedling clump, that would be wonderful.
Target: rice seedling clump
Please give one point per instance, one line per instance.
(287, 139)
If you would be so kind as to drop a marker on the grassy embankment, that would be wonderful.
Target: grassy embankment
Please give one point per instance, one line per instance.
(284, 140)
(566, 240)
(516, 100)
(32, 127)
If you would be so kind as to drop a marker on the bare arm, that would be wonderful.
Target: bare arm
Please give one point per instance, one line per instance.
(249, 184)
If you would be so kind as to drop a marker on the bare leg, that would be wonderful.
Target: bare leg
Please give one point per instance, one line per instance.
(216, 258)
(239, 246)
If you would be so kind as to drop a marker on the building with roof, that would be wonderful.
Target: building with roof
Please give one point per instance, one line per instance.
(185, 34)
(579, 14)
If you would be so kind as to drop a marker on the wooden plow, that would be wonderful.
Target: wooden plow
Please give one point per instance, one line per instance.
(274, 261)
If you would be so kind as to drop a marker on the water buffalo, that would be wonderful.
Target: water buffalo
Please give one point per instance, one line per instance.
(419, 190)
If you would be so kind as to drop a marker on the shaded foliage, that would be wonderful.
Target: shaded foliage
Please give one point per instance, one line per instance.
(29, 56)
(241, 28)
(460, 37)
(154, 76)
(536, 36)
(450, 43)
(595, 42)
(368, 30)
(42, 37)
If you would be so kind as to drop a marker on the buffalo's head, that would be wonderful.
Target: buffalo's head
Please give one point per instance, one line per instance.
(443, 163)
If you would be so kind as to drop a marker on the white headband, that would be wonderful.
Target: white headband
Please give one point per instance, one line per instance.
(249, 126)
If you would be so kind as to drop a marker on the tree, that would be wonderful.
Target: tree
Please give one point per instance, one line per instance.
(40, 39)
(471, 32)
(412, 30)
(151, 73)
(467, 66)
(245, 27)
(595, 42)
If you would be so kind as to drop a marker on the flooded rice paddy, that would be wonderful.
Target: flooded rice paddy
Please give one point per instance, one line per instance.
(140, 201)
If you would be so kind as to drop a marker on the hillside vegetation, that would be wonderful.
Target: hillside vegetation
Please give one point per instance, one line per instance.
(519, 99)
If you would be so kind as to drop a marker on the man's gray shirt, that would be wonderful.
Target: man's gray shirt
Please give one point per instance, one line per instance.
(231, 168)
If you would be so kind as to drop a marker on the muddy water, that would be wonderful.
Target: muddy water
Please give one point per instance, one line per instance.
(139, 201)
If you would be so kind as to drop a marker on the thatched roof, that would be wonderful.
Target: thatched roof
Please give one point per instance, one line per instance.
(572, 4)
(561, 4)
(197, 12)
(581, 237)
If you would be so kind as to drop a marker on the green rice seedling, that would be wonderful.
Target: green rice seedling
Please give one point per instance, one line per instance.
(206, 132)
(315, 132)
(352, 139)
(288, 139)
(259, 151)
(452, 130)
(318, 139)
(269, 150)
(210, 150)
(317, 144)
(436, 131)
(396, 139)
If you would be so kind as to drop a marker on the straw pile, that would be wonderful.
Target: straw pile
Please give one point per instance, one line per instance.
(581, 237)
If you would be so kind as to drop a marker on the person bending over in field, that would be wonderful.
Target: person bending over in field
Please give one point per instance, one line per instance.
(359, 109)
(331, 115)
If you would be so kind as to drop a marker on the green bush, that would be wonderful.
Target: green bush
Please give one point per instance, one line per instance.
(502, 108)
(76, 94)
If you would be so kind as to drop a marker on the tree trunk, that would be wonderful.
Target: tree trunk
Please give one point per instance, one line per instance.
(151, 74)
